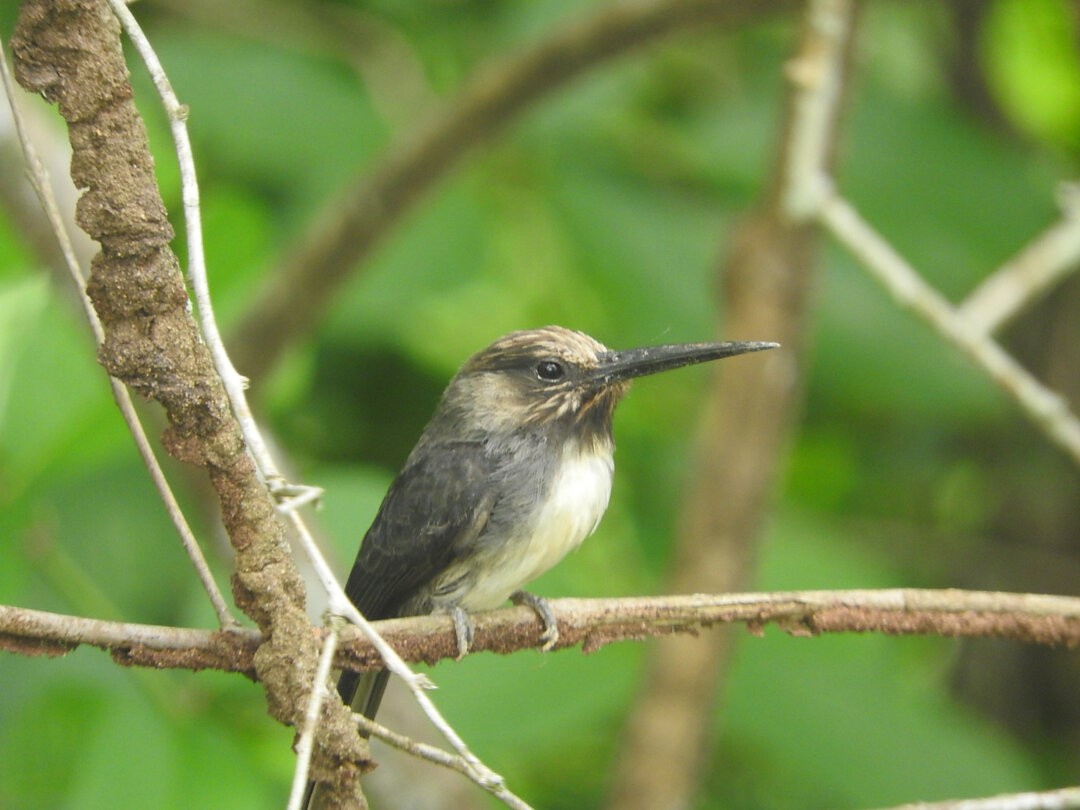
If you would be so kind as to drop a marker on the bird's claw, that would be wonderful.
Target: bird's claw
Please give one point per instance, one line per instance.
(463, 630)
(550, 634)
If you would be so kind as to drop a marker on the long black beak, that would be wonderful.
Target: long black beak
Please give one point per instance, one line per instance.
(625, 365)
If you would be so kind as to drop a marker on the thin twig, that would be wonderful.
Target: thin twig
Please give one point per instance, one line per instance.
(39, 180)
(437, 756)
(319, 692)
(1062, 799)
(339, 604)
(809, 195)
(1047, 409)
(1043, 262)
(416, 682)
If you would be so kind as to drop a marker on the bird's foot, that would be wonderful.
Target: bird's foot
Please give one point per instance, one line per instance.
(463, 629)
(550, 636)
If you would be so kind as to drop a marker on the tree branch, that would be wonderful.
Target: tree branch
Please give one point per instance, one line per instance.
(768, 280)
(811, 196)
(593, 623)
(1062, 799)
(69, 51)
(1039, 265)
(350, 227)
(39, 179)
(437, 756)
(1047, 409)
(37, 632)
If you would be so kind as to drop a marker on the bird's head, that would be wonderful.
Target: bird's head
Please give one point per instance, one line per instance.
(556, 375)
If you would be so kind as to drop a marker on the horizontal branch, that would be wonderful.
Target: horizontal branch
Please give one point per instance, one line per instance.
(592, 623)
(1061, 799)
(37, 632)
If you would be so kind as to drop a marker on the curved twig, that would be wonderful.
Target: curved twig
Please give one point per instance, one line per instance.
(39, 180)
(69, 51)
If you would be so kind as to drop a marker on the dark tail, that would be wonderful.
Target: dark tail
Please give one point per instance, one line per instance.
(363, 692)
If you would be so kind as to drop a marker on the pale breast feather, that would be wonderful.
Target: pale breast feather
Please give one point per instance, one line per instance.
(575, 502)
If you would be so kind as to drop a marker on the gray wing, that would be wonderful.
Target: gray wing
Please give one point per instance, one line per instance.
(430, 519)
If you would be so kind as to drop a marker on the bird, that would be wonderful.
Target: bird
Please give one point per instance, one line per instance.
(512, 472)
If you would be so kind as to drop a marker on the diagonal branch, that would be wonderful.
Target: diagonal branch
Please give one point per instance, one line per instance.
(69, 51)
(1039, 265)
(810, 196)
(39, 180)
(437, 756)
(349, 228)
(1047, 409)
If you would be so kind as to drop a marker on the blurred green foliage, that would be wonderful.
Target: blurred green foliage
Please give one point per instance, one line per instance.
(605, 209)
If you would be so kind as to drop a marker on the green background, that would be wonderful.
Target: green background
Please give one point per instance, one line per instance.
(606, 208)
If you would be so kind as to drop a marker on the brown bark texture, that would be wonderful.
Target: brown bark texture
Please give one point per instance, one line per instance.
(69, 52)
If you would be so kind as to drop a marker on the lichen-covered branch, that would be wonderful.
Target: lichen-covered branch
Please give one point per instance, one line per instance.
(69, 51)
(592, 623)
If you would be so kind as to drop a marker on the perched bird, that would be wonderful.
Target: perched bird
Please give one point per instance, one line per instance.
(512, 472)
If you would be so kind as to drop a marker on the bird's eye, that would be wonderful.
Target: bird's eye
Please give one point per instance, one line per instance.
(549, 370)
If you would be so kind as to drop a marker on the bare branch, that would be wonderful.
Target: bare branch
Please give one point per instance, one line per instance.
(37, 632)
(593, 623)
(810, 196)
(349, 228)
(437, 756)
(1042, 263)
(1047, 409)
(1063, 799)
(69, 51)
(817, 75)
(39, 179)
